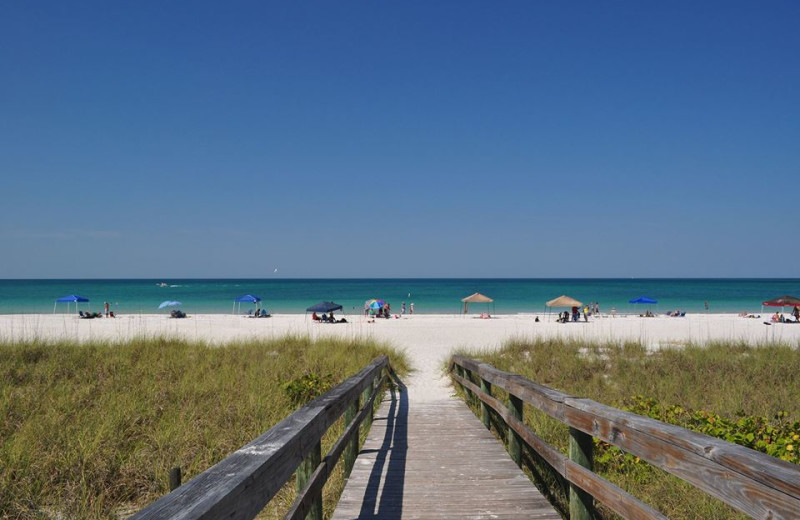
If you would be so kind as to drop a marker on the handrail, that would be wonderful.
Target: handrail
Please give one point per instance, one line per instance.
(756, 484)
(239, 486)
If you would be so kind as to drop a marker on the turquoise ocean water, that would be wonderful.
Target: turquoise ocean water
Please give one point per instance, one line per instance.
(429, 295)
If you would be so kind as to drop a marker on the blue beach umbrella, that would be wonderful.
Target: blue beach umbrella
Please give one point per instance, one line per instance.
(644, 300)
(324, 307)
(70, 298)
(169, 303)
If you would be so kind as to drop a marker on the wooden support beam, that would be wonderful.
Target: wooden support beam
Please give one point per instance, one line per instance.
(351, 449)
(514, 441)
(581, 504)
(486, 388)
(304, 472)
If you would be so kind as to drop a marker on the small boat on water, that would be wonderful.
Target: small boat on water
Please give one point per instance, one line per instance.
(162, 284)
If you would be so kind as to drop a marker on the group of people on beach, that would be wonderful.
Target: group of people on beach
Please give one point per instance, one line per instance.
(327, 318)
(575, 315)
(386, 310)
(780, 318)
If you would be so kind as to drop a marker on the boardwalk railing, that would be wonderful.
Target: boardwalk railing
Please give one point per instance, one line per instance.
(241, 485)
(754, 483)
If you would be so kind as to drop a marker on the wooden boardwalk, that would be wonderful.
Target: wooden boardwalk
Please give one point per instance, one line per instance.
(436, 460)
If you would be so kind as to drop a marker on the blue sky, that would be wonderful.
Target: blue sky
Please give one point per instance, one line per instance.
(399, 139)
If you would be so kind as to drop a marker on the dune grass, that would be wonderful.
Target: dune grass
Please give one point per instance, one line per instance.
(730, 382)
(92, 430)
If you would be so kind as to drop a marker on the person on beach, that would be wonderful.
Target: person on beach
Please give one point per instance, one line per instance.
(403, 309)
(585, 313)
(105, 306)
(411, 308)
(796, 314)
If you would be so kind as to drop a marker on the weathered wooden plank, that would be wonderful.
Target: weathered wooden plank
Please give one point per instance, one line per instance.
(310, 488)
(767, 470)
(751, 497)
(614, 497)
(434, 472)
(759, 485)
(239, 486)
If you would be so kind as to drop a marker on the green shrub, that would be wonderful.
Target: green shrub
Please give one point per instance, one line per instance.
(301, 390)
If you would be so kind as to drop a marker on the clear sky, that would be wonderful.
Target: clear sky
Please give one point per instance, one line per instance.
(399, 139)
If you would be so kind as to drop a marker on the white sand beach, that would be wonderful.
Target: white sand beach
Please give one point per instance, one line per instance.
(427, 339)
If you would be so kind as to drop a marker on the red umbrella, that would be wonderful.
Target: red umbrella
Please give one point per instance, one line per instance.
(783, 301)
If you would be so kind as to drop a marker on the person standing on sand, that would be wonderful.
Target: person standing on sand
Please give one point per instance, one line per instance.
(105, 306)
(411, 308)
(403, 309)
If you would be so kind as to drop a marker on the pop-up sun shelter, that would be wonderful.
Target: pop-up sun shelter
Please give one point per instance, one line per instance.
(169, 303)
(70, 298)
(247, 298)
(643, 300)
(324, 307)
(563, 301)
(476, 298)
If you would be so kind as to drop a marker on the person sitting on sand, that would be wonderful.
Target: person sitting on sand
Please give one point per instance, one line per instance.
(776, 317)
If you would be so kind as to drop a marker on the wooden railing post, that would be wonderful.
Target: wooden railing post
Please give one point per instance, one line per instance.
(365, 395)
(581, 504)
(486, 387)
(351, 450)
(174, 478)
(304, 472)
(514, 441)
(467, 374)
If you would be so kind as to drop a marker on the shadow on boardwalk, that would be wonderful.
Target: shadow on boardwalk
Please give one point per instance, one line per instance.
(384, 497)
(435, 460)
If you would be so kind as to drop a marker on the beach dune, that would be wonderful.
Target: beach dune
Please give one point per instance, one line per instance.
(428, 339)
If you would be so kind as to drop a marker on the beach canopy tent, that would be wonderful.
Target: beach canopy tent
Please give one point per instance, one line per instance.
(70, 298)
(169, 303)
(246, 298)
(324, 307)
(564, 301)
(475, 298)
(643, 300)
(783, 301)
